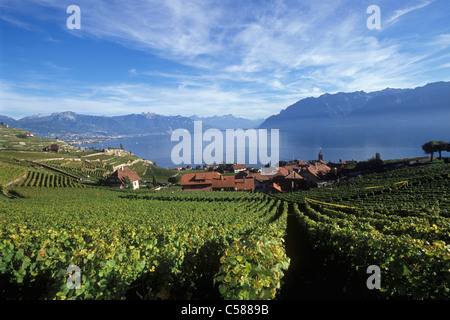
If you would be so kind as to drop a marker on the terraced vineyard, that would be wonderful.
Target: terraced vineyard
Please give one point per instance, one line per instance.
(83, 169)
(10, 172)
(40, 179)
(143, 246)
(401, 226)
(223, 245)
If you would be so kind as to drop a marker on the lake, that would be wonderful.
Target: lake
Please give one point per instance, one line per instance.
(158, 148)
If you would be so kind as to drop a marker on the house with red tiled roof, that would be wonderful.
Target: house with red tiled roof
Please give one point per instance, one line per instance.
(214, 181)
(262, 182)
(283, 170)
(245, 184)
(310, 174)
(223, 183)
(290, 182)
(53, 147)
(199, 181)
(320, 165)
(119, 178)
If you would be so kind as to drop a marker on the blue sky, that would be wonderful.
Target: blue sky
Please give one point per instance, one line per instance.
(186, 57)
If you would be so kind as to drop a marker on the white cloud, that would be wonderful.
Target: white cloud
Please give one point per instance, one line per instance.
(115, 99)
(249, 58)
(401, 12)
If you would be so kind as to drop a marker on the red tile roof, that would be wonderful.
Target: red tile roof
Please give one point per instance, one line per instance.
(192, 179)
(245, 184)
(123, 173)
(276, 186)
(217, 181)
(294, 175)
(284, 171)
(224, 182)
(263, 177)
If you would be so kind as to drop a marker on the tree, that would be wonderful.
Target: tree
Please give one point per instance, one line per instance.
(174, 180)
(377, 156)
(374, 164)
(441, 146)
(128, 183)
(430, 148)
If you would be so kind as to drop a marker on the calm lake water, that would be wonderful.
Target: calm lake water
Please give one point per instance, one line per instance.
(158, 149)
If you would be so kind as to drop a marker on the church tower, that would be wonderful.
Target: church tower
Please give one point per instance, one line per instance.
(320, 155)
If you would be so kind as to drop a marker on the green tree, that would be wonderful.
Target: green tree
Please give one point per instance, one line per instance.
(128, 183)
(441, 146)
(174, 179)
(430, 148)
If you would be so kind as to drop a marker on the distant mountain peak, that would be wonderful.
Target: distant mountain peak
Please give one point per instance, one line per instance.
(69, 115)
(149, 114)
(341, 104)
(227, 121)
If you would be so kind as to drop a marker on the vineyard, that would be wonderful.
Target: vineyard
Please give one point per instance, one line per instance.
(10, 172)
(224, 245)
(141, 247)
(401, 226)
(40, 179)
(95, 170)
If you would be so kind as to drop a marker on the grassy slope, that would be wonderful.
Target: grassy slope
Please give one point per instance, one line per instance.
(9, 140)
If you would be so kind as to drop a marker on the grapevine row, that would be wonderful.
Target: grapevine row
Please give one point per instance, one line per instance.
(40, 179)
(142, 248)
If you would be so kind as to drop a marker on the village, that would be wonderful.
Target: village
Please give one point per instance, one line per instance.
(290, 176)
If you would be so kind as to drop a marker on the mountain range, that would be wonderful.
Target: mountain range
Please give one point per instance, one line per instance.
(381, 118)
(434, 98)
(69, 124)
(64, 124)
(386, 117)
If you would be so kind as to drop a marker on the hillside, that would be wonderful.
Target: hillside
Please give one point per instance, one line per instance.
(17, 139)
(390, 117)
(20, 155)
